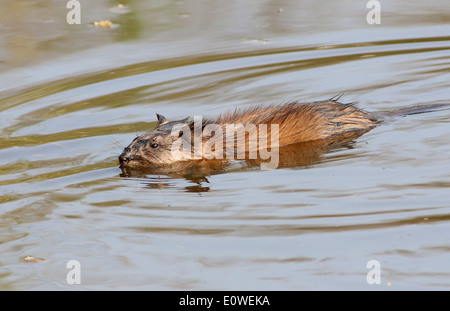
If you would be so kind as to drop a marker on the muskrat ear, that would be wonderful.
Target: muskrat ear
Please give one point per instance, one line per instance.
(161, 119)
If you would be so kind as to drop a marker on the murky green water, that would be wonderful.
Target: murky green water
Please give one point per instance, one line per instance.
(73, 95)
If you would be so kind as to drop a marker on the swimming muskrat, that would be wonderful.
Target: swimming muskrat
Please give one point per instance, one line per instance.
(295, 123)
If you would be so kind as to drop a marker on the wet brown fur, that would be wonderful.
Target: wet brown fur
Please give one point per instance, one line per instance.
(302, 122)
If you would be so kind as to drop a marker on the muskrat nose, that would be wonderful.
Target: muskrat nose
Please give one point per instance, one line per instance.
(123, 159)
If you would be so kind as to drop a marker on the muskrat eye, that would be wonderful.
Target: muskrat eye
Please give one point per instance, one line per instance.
(155, 145)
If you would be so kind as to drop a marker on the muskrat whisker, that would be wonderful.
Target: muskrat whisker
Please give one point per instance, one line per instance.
(116, 142)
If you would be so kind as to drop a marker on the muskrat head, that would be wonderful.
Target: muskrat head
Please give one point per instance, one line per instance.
(157, 147)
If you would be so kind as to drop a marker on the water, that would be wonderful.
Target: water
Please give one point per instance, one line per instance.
(73, 95)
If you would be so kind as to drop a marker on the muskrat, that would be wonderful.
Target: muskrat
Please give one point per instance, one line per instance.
(295, 123)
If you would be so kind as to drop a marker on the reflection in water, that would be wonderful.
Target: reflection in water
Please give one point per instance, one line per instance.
(199, 184)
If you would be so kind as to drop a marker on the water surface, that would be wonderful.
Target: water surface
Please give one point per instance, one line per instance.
(72, 96)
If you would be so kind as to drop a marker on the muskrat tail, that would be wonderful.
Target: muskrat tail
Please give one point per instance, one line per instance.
(416, 110)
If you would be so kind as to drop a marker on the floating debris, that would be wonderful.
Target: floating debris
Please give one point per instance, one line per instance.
(184, 15)
(32, 259)
(255, 40)
(103, 24)
(106, 24)
(120, 9)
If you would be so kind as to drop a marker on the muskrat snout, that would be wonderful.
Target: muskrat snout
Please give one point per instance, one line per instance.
(124, 160)
(125, 157)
